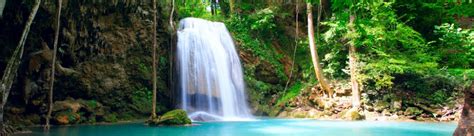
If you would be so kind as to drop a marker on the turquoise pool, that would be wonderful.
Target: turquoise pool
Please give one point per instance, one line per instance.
(262, 127)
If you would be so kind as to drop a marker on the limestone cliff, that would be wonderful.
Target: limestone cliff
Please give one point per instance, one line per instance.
(104, 56)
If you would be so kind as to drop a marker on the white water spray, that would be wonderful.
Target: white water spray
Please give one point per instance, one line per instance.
(210, 73)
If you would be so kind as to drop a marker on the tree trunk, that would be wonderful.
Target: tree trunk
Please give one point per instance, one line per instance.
(314, 53)
(14, 63)
(53, 66)
(213, 7)
(171, 49)
(297, 11)
(353, 67)
(153, 112)
(466, 123)
(231, 6)
(171, 15)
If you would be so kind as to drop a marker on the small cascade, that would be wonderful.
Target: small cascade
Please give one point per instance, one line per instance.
(210, 73)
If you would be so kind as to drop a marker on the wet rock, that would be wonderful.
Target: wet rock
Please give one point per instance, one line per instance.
(174, 117)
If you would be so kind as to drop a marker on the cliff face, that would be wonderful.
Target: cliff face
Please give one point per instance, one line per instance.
(104, 58)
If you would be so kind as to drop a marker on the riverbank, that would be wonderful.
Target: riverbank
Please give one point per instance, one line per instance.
(312, 104)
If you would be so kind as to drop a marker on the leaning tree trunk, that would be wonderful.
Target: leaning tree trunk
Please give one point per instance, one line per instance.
(53, 66)
(466, 123)
(314, 53)
(153, 109)
(14, 63)
(353, 67)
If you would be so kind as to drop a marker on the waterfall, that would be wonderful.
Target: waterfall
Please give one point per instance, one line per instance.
(210, 73)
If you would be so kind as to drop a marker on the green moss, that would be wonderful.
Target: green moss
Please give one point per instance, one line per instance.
(174, 117)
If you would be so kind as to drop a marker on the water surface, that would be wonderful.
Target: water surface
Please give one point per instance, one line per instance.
(264, 127)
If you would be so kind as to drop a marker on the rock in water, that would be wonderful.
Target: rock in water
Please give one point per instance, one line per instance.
(466, 124)
(174, 117)
(353, 114)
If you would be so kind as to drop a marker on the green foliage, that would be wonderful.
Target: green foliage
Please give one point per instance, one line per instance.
(385, 45)
(399, 49)
(436, 87)
(466, 74)
(455, 46)
(197, 8)
(291, 93)
(263, 20)
(141, 100)
(111, 117)
(92, 104)
(463, 10)
(262, 49)
(193, 9)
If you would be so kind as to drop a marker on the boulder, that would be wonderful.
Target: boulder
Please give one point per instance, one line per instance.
(353, 114)
(174, 117)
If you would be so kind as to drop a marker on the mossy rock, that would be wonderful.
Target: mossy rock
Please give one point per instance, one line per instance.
(171, 118)
(412, 111)
(353, 114)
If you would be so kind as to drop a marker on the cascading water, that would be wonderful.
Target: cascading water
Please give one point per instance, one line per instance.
(210, 73)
